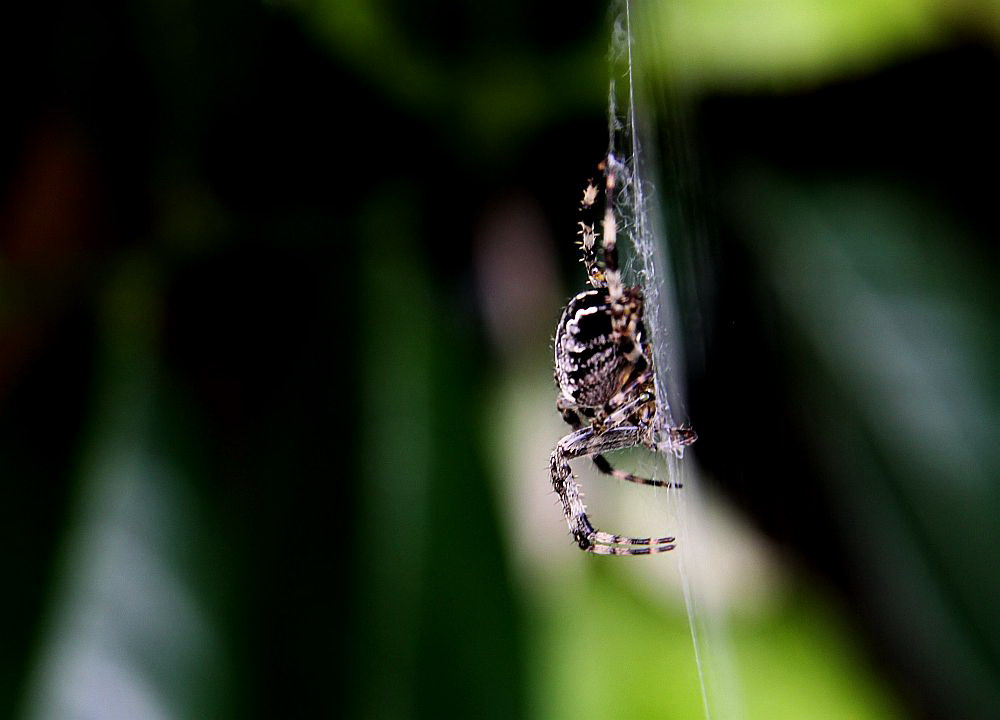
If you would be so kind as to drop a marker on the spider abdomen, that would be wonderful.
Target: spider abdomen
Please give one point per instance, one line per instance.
(590, 366)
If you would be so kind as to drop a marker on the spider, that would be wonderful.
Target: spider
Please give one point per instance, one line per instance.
(604, 369)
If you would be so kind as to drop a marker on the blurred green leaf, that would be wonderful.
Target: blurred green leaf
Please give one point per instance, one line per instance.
(888, 325)
(604, 651)
(129, 631)
(762, 44)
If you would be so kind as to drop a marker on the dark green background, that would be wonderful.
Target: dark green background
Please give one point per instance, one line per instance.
(252, 441)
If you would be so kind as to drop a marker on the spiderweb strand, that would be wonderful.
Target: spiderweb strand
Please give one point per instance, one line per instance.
(632, 155)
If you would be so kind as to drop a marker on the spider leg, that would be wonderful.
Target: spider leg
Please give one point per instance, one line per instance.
(572, 418)
(588, 239)
(636, 391)
(586, 442)
(602, 464)
(669, 438)
(619, 416)
(677, 438)
(609, 249)
(570, 414)
(625, 302)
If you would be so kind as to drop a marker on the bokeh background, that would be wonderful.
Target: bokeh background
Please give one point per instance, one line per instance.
(277, 288)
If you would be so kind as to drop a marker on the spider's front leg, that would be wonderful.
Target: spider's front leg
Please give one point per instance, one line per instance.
(585, 442)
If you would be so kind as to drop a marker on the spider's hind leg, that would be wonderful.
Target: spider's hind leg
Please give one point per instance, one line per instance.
(590, 539)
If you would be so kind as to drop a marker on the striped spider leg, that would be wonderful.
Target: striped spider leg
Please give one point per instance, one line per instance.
(604, 369)
(573, 417)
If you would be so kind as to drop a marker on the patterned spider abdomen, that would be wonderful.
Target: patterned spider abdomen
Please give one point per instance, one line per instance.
(590, 366)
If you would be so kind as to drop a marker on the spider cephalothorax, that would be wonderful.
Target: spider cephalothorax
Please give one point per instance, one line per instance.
(604, 369)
